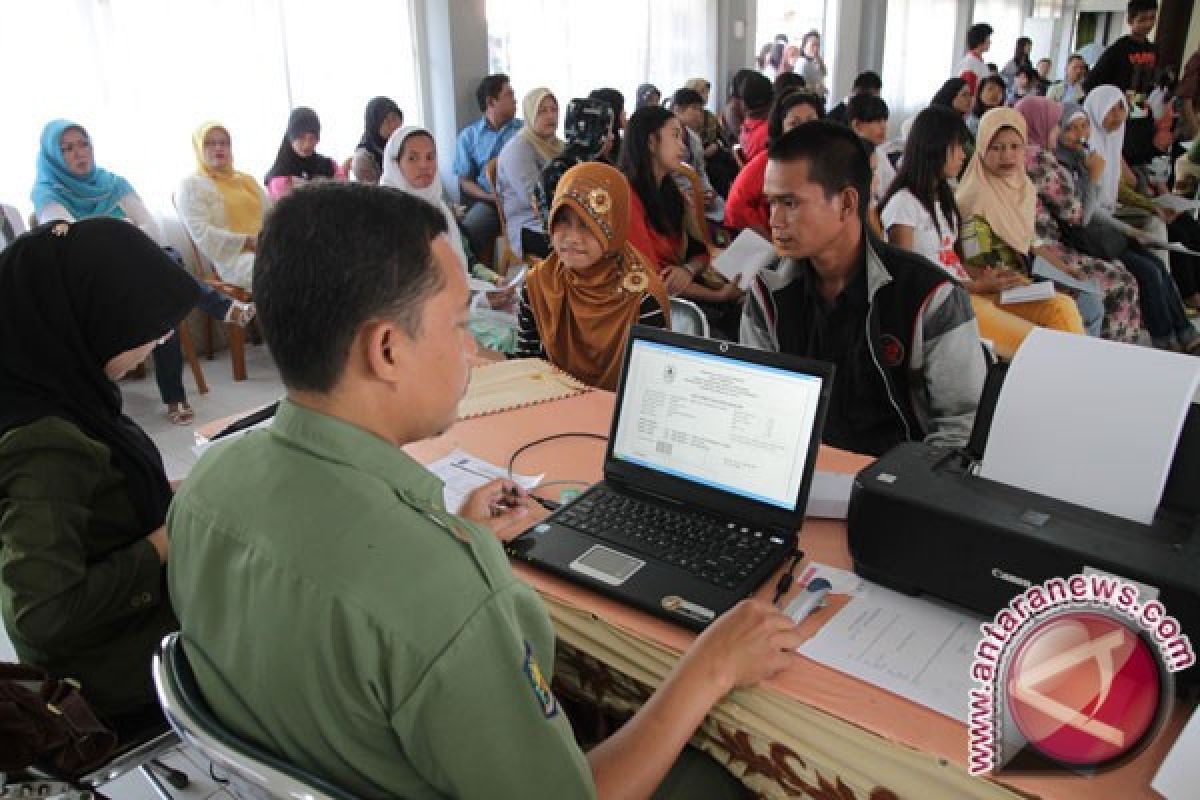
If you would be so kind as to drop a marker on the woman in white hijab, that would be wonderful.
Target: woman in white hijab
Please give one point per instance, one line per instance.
(1107, 110)
(410, 165)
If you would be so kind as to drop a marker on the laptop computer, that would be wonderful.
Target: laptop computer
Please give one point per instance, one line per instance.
(706, 478)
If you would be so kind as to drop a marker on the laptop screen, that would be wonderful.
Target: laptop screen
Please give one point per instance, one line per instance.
(717, 421)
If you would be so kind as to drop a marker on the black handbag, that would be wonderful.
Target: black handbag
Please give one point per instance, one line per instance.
(1097, 239)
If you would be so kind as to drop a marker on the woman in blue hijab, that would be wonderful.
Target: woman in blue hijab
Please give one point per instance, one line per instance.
(70, 187)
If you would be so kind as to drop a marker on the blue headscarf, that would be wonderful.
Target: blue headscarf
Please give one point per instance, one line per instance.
(96, 194)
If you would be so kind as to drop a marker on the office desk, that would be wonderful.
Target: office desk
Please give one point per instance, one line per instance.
(810, 732)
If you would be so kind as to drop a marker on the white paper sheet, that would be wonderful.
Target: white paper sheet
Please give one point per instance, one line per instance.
(1179, 775)
(509, 282)
(746, 256)
(1044, 269)
(829, 495)
(1090, 422)
(841, 581)
(463, 473)
(1149, 241)
(1176, 203)
(910, 646)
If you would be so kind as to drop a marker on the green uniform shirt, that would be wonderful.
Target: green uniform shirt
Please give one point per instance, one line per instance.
(334, 612)
(82, 590)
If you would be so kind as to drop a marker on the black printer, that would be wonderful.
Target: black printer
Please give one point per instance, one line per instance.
(921, 521)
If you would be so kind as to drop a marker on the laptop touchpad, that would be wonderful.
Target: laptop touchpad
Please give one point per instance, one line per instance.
(607, 565)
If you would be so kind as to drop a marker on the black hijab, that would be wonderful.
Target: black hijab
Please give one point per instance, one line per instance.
(377, 110)
(72, 296)
(287, 163)
(945, 96)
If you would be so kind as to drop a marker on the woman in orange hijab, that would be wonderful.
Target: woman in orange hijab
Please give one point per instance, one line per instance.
(578, 305)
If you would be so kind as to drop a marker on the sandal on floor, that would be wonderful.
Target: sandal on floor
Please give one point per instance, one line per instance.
(180, 413)
(241, 313)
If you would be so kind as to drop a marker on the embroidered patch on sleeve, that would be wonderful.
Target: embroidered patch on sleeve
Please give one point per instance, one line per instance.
(541, 687)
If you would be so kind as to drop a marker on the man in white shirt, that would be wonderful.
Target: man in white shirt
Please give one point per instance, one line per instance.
(1071, 89)
(973, 69)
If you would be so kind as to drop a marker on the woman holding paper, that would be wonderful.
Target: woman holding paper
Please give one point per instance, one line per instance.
(919, 214)
(1060, 211)
(578, 305)
(1107, 110)
(998, 206)
(1163, 311)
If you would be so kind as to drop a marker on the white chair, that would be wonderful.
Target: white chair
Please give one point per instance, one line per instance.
(253, 772)
(686, 317)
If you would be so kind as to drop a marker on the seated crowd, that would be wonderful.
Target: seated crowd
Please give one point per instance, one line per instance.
(892, 259)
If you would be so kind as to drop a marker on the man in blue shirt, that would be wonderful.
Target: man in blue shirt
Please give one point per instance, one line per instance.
(478, 144)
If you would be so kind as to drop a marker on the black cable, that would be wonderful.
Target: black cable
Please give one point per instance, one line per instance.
(550, 505)
(785, 580)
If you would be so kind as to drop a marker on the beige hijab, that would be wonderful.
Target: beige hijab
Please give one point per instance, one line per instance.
(1009, 205)
(549, 147)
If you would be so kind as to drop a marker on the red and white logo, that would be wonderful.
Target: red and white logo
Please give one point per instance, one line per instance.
(1083, 688)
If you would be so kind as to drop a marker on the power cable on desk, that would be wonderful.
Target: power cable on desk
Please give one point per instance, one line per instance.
(550, 505)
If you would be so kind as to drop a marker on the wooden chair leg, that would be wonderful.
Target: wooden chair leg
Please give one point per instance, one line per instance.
(189, 352)
(237, 350)
(208, 335)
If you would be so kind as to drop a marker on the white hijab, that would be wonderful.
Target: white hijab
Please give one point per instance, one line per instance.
(432, 194)
(1108, 144)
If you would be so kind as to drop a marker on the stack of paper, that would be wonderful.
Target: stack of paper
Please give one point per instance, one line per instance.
(1090, 422)
(1039, 290)
(746, 256)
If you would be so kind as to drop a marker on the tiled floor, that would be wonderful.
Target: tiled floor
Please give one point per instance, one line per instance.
(225, 397)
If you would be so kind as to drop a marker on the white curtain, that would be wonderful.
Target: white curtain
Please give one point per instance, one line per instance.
(919, 54)
(140, 75)
(619, 43)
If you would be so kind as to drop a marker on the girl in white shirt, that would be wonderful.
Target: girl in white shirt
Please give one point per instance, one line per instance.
(919, 214)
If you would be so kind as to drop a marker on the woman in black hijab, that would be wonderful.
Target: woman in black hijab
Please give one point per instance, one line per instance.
(382, 118)
(298, 161)
(617, 100)
(83, 493)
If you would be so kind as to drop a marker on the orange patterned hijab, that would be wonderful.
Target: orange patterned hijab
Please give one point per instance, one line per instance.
(584, 315)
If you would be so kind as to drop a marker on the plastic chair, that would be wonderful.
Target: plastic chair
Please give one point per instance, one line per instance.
(686, 317)
(235, 334)
(11, 224)
(253, 772)
(506, 257)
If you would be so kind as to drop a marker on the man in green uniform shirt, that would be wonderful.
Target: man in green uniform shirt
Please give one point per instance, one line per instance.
(331, 607)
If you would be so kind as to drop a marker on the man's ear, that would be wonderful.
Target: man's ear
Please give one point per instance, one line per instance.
(849, 202)
(385, 348)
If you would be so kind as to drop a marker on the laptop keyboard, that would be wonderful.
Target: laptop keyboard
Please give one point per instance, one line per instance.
(722, 553)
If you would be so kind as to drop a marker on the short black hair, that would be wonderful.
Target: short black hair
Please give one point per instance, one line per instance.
(866, 108)
(787, 82)
(785, 103)
(868, 81)
(490, 88)
(1029, 72)
(332, 257)
(686, 97)
(977, 34)
(1136, 7)
(837, 158)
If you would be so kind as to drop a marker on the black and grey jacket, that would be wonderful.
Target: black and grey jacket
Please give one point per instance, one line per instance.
(923, 344)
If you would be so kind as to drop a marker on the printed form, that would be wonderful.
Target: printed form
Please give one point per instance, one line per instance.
(910, 646)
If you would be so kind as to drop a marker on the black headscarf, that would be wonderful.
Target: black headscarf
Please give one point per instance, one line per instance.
(377, 110)
(617, 100)
(72, 296)
(287, 164)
